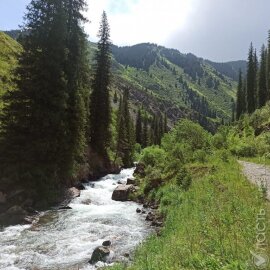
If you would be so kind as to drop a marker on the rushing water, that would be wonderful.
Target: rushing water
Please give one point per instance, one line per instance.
(65, 239)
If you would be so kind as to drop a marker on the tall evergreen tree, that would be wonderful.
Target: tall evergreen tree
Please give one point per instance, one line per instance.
(145, 132)
(125, 140)
(100, 111)
(240, 99)
(251, 81)
(139, 127)
(38, 132)
(262, 87)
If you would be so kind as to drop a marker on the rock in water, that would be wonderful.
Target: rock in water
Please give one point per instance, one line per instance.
(80, 186)
(121, 193)
(131, 181)
(106, 243)
(99, 254)
(74, 192)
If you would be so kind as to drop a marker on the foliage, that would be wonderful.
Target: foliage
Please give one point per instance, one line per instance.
(211, 223)
(42, 138)
(100, 110)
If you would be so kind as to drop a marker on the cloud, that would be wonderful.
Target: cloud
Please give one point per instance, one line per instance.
(135, 21)
(215, 29)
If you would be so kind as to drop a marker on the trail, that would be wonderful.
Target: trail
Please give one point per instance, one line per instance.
(257, 174)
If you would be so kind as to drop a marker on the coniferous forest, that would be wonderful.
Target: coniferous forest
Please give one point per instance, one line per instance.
(129, 157)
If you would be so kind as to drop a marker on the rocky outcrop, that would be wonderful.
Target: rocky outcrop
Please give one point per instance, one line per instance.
(122, 192)
(13, 215)
(100, 254)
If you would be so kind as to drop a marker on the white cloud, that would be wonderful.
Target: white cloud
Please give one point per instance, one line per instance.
(135, 21)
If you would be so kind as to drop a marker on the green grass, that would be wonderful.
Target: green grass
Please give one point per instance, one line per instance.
(258, 160)
(211, 226)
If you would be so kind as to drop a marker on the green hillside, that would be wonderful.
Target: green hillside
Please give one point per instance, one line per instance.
(182, 85)
(9, 49)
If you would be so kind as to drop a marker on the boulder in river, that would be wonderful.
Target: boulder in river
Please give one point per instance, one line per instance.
(100, 254)
(131, 181)
(121, 193)
(74, 192)
(138, 210)
(107, 243)
(80, 186)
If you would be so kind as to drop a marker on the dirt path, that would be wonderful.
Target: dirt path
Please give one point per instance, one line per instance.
(257, 174)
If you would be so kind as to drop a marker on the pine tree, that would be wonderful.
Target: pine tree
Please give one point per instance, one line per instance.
(139, 127)
(100, 111)
(126, 138)
(262, 87)
(251, 81)
(240, 99)
(145, 132)
(39, 133)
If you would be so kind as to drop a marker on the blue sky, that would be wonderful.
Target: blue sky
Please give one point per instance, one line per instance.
(220, 30)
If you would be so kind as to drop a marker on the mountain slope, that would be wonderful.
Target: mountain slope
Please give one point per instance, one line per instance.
(182, 85)
(230, 69)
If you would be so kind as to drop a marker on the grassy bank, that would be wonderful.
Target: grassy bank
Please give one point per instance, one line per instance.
(210, 224)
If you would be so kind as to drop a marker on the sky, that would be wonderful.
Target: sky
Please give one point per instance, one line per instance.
(219, 30)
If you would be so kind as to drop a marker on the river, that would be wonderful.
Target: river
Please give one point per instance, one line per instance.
(65, 239)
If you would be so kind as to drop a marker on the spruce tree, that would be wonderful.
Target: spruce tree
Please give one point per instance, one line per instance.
(145, 132)
(139, 127)
(126, 138)
(262, 87)
(100, 110)
(240, 98)
(251, 81)
(37, 135)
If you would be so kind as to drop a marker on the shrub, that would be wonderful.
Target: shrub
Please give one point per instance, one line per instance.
(152, 156)
(183, 179)
(153, 180)
(200, 156)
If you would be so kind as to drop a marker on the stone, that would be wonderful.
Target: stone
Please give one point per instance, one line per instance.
(80, 186)
(16, 210)
(122, 192)
(138, 210)
(65, 208)
(149, 217)
(131, 181)
(107, 243)
(74, 192)
(143, 212)
(99, 254)
(156, 223)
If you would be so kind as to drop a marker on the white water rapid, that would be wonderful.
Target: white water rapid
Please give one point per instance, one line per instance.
(65, 239)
